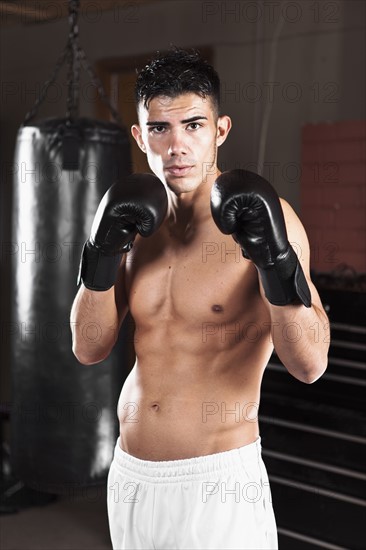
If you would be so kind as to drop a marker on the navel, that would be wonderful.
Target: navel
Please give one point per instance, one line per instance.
(216, 308)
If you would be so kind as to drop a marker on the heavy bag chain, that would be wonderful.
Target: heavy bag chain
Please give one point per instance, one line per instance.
(75, 56)
(73, 77)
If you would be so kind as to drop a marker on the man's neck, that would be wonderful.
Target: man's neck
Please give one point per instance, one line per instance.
(192, 207)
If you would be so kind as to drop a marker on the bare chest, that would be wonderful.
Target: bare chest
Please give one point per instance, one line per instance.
(193, 282)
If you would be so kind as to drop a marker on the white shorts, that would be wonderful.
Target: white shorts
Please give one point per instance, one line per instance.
(218, 501)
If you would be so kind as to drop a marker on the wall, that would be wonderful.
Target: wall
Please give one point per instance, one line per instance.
(333, 194)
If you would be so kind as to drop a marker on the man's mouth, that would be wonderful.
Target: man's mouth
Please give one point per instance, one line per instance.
(178, 169)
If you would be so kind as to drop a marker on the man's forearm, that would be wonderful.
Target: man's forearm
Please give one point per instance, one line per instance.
(301, 339)
(94, 324)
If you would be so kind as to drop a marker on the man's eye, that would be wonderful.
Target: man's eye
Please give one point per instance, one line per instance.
(194, 125)
(157, 129)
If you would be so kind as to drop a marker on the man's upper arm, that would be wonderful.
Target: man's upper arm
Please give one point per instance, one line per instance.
(298, 239)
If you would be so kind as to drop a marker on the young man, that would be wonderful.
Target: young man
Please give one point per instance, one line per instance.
(187, 471)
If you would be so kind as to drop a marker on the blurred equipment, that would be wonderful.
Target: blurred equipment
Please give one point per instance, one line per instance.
(63, 419)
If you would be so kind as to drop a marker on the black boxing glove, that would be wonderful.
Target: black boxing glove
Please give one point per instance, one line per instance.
(246, 205)
(137, 205)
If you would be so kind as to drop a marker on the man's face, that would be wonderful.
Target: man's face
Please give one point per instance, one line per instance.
(180, 137)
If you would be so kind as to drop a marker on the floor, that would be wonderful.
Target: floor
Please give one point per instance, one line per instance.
(76, 522)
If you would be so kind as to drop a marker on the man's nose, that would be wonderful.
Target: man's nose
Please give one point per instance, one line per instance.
(177, 145)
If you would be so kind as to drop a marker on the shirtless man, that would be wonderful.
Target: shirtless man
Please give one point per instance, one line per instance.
(187, 471)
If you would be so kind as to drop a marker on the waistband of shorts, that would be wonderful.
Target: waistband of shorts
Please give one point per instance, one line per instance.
(185, 469)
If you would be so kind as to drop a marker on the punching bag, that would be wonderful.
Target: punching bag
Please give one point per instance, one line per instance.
(63, 418)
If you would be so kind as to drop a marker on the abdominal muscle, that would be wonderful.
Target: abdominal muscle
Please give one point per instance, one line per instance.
(191, 402)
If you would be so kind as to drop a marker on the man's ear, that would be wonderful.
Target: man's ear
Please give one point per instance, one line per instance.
(136, 132)
(223, 129)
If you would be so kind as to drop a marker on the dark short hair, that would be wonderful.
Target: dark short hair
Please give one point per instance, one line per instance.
(175, 73)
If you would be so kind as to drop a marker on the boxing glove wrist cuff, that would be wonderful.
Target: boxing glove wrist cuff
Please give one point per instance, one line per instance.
(284, 282)
(97, 271)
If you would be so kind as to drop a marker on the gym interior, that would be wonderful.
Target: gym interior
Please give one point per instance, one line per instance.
(293, 82)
